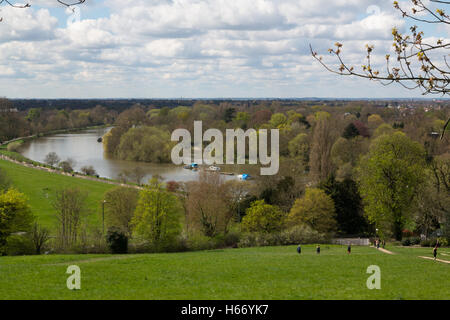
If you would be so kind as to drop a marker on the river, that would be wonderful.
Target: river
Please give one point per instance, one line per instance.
(84, 148)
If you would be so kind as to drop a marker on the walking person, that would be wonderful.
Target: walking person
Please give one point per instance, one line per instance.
(349, 248)
(318, 249)
(299, 249)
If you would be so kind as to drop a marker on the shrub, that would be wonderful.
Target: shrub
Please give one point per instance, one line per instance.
(117, 241)
(14, 146)
(428, 243)
(89, 170)
(262, 217)
(443, 242)
(298, 234)
(66, 166)
(406, 242)
(19, 245)
(198, 242)
(304, 235)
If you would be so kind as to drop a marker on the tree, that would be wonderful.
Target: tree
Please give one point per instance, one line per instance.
(350, 131)
(320, 162)
(15, 216)
(229, 115)
(299, 148)
(374, 121)
(121, 203)
(137, 174)
(158, 216)
(27, 5)
(415, 63)
(348, 151)
(362, 129)
(89, 170)
(207, 204)
(52, 159)
(433, 201)
(70, 206)
(316, 210)
(348, 205)
(12, 125)
(66, 166)
(389, 177)
(39, 236)
(278, 120)
(148, 144)
(264, 218)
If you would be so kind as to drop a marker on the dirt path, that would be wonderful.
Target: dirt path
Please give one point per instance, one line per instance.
(93, 260)
(384, 250)
(429, 258)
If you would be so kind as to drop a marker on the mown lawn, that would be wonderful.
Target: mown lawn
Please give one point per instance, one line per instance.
(256, 273)
(40, 188)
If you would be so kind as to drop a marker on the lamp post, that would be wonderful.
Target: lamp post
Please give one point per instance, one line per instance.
(103, 215)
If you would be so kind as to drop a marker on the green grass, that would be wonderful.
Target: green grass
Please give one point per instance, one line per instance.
(40, 188)
(256, 273)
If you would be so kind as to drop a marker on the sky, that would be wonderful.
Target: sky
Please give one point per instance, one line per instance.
(194, 48)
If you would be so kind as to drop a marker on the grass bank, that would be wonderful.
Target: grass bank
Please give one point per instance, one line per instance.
(40, 188)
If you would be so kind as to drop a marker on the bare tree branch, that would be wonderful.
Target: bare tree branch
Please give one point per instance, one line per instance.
(414, 67)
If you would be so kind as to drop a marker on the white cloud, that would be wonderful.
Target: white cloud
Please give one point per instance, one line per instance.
(187, 47)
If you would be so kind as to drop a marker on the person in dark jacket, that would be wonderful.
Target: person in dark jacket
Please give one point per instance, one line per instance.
(318, 249)
(349, 248)
(435, 251)
(299, 249)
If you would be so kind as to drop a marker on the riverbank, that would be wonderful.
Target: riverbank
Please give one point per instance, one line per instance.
(19, 159)
(49, 133)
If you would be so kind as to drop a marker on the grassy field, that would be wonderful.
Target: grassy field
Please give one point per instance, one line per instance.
(40, 187)
(257, 273)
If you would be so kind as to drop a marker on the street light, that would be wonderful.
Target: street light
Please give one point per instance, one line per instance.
(103, 214)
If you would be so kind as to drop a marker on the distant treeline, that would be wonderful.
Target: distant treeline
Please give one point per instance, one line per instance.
(123, 104)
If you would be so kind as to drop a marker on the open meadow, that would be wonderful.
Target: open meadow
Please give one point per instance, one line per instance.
(256, 273)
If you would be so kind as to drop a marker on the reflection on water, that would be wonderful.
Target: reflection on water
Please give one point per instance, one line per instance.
(86, 151)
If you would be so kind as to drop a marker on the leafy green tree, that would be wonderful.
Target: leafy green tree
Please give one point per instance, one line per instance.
(299, 148)
(149, 144)
(158, 216)
(33, 114)
(242, 120)
(315, 209)
(389, 177)
(383, 129)
(278, 120)
(15, 216)
(262, 217)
